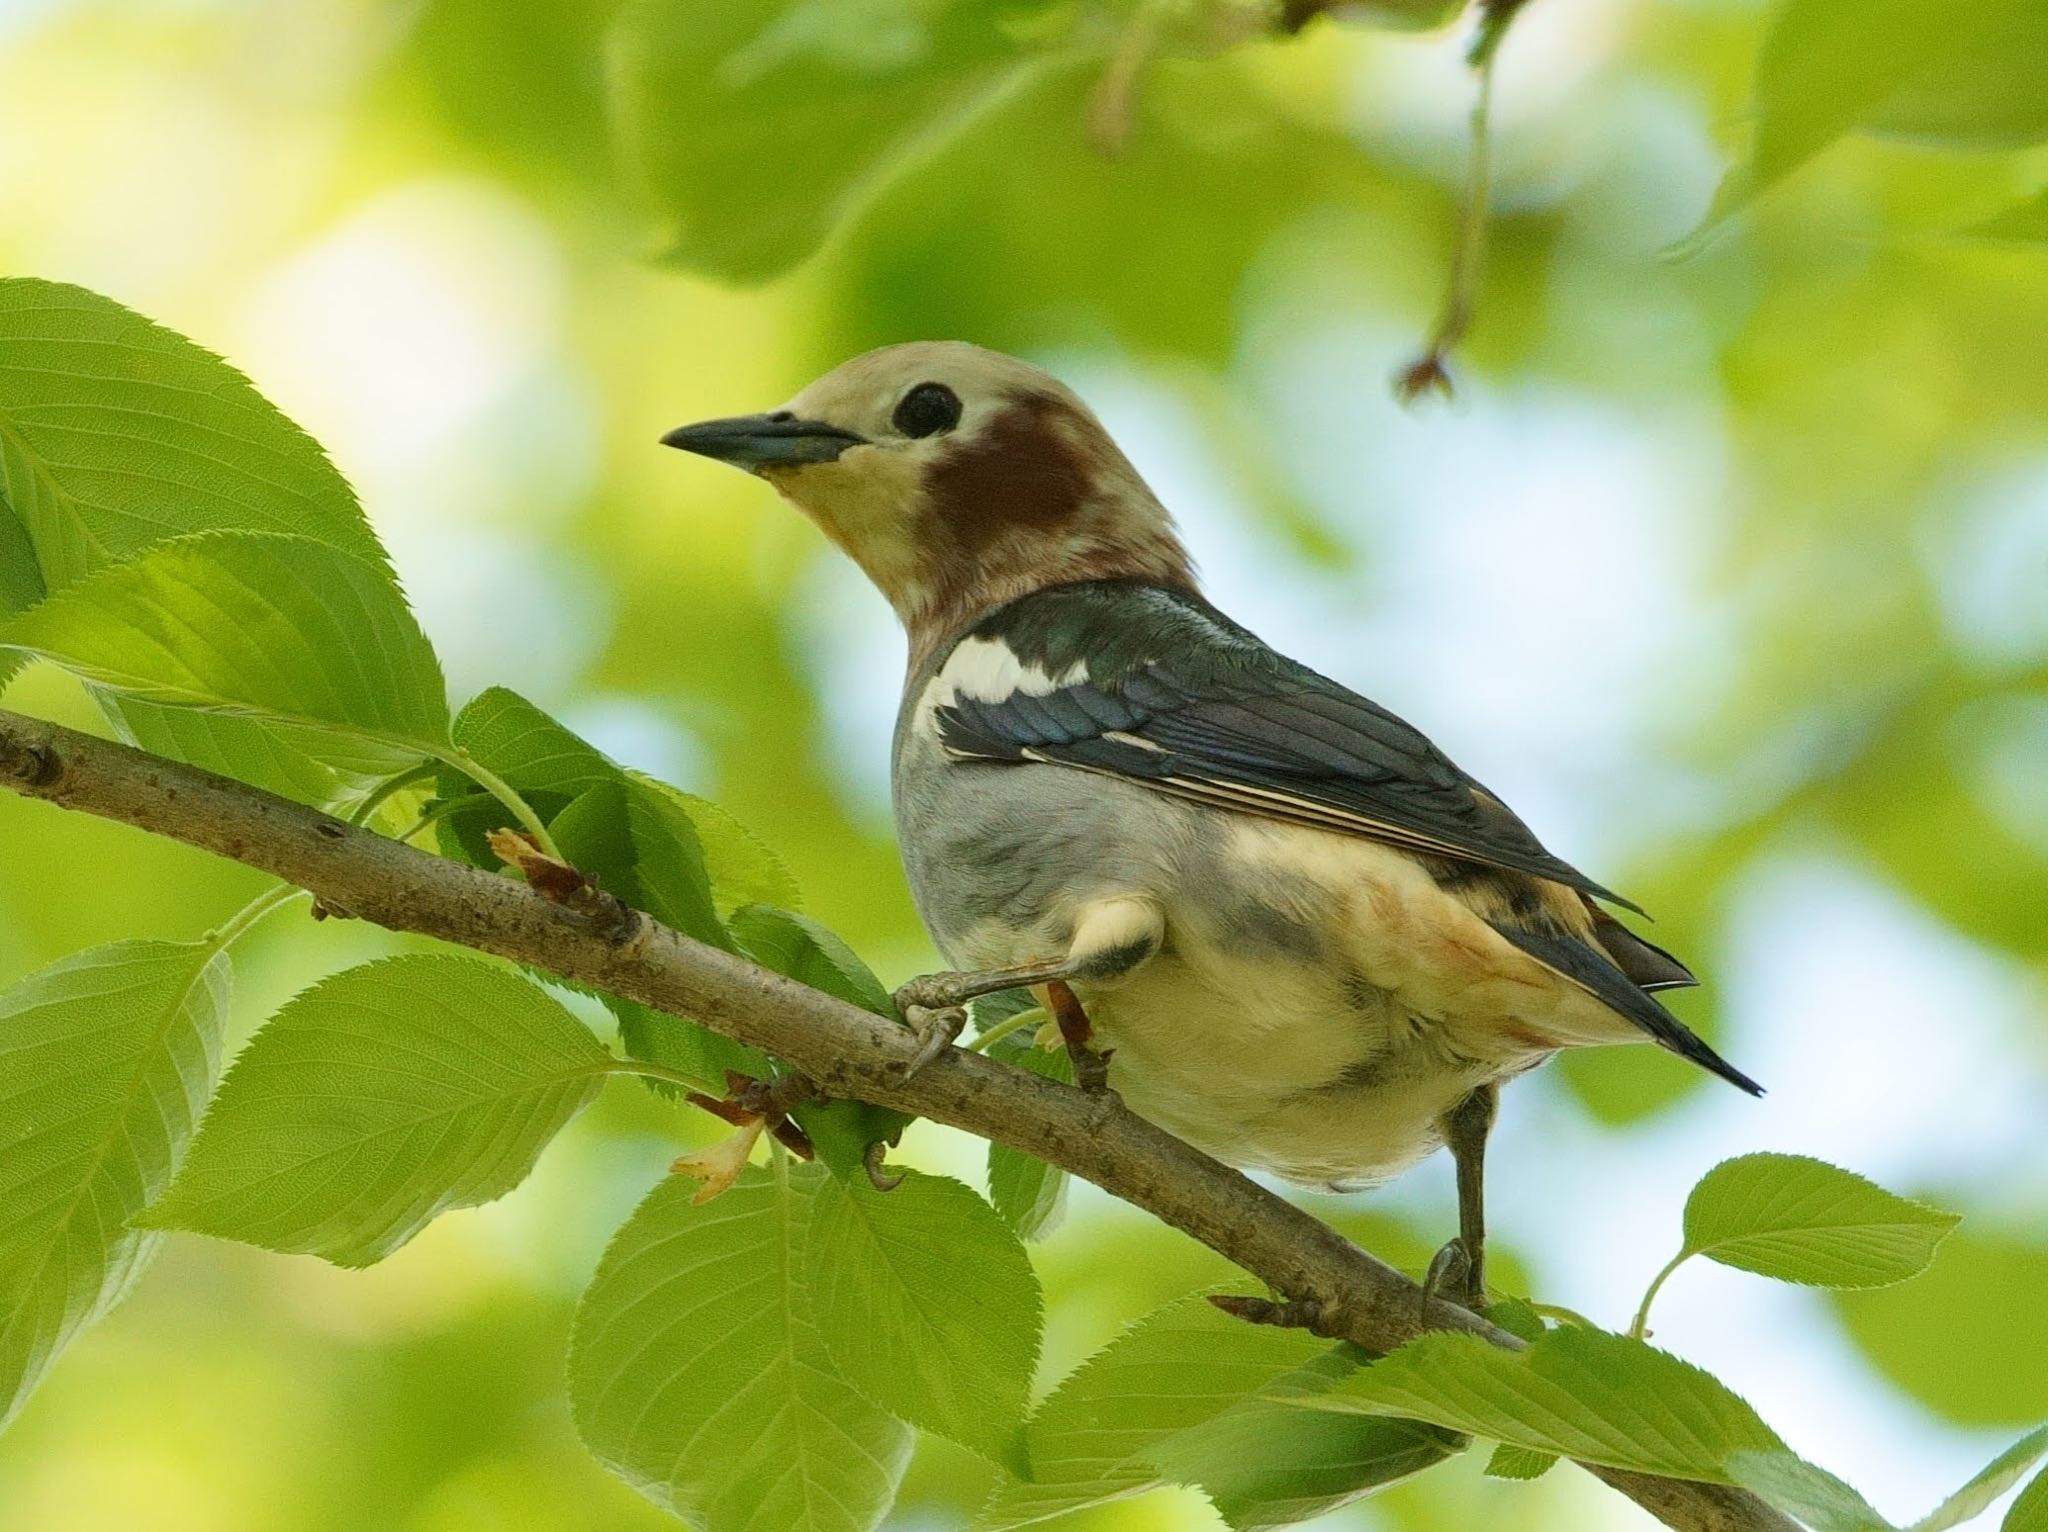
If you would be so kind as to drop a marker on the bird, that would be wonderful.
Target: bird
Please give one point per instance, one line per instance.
(1305, 941)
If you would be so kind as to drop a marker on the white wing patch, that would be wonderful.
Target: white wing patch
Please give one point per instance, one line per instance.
(986, 670)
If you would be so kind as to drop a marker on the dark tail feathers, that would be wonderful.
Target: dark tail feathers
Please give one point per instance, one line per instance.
(1616, 983)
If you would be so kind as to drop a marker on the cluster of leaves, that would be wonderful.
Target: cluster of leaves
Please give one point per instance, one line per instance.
(761, 1359)
(1962, 78)
(840, 99)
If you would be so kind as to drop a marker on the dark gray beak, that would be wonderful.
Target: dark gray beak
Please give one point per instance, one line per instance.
(754, 442)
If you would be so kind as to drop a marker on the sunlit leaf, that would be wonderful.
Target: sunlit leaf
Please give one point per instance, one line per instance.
(1996, 1477)
(1803, 1220)
(755, 126)
(1825, 68)
(1576, 1392)
(1819, 1499)
(928, 1305)
(697, 1374)
(1983, 93)
(809, 953)
(1510, 1462)
(117, 434)
(741, 867)
(253, 623)
(551, 766)
(379, 1099)
(1030, 1194)
(1264, 1463)
(1091, 1440)
(2029, 1509)
(106, 1061)
(21, 583)
(1980, 1299)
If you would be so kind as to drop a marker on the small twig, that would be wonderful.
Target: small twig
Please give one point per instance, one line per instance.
(1112, 108)
(1292, 1314)
(1430, 373)
(559, 883)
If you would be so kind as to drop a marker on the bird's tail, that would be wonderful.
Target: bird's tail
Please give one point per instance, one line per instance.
(1622, 982)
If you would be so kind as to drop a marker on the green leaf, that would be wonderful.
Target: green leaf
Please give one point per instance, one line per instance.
(945, 1341)
(1517, 1316)
(1092, 1440)
(2029, 1509)
(21, 582)
(1795, 1486)
(106, 1061)
(1803, 1220)
(1996, 1477)
(803, 950)
(643, 848)
(550, 767)
(741, 867)
(1979, 1299)
(697, 1374)
(255, 623)
(756, 126)
(117, 435)
(1030, 1194)
(379, 1099)
(2023, 223)
(1984, 92)
(1576, 1392)
(526, 747)
(1266, 1463)
(799, 947)
(1823, 69)
(1510, 1462)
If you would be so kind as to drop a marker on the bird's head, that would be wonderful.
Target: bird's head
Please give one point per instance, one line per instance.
(958, 478)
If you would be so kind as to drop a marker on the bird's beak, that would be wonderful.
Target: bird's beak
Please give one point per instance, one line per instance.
(755, 442)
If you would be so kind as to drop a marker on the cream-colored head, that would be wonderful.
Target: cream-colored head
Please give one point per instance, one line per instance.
(958, 478)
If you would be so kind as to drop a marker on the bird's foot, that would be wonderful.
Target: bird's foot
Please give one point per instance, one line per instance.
(935, 992)
(1453, 1276)
(936, 1029)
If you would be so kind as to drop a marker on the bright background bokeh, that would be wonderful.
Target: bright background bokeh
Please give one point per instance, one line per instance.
(1731, 573)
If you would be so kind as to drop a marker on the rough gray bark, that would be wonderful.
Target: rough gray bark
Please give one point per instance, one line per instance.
(845, 1050)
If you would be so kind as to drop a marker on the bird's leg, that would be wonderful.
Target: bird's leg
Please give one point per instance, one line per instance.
(1091, 1069)
(935, 1004)
(1112, 938)
(1459, 1269)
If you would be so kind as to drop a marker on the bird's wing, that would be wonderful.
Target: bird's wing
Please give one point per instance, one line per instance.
(1156, 687)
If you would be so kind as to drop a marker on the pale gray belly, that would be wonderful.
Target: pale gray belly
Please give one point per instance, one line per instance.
(1261, 1031)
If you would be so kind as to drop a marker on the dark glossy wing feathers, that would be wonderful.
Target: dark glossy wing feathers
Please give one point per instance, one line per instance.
(1191, 704)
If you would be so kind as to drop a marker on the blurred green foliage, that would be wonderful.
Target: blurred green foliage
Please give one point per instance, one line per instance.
(1868, 676)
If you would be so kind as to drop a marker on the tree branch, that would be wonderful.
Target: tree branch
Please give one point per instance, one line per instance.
(846, 1051)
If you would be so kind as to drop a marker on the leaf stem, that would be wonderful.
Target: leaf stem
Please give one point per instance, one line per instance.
(654, 1071)
(237, 925)
(506, 794)
(390, 787)
(1033, 1016)
(1639, 1327)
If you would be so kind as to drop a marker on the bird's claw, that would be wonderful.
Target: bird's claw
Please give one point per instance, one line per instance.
(937, 1029)
(1450, 1277)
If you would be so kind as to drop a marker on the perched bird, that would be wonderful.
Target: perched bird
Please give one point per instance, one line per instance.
(1314, 946)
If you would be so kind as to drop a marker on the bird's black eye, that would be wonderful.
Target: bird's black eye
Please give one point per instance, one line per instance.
(927, 410)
